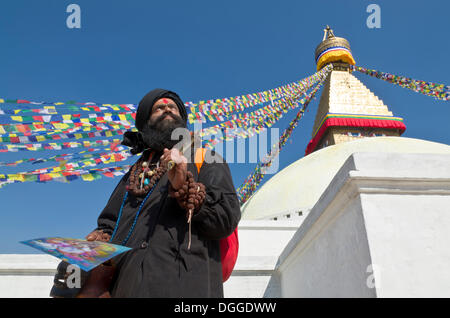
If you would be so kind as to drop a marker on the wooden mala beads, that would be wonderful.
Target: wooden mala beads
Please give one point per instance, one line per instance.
(142, 178)
(189, 197)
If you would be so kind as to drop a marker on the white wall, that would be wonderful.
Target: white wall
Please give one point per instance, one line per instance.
(409, 238)
(26, 275)
(260, 244)
(389, 211)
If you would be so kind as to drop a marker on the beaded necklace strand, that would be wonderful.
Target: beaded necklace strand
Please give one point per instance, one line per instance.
(140, 206)
(190, 196)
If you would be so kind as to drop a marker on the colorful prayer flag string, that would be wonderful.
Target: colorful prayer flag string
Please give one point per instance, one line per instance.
(84, 154)
(249, 186)
(246, 125)
(70, 105)
(438, 91)
(64, 176)
(44, 127)
(104, 158)
(126, 117)
(219, 109)
(59, 126)
(13, 138)
(58, 145)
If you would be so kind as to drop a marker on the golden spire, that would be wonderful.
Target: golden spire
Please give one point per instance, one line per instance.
(333, 49)
(347, 109)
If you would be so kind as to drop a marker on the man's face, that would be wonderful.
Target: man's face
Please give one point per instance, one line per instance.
(165, 117)
(163, 106)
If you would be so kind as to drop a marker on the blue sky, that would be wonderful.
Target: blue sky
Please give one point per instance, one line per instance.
(201, 50)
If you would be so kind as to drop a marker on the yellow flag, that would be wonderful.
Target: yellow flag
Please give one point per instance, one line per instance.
(17, 118)
(87, 177)
(60, 125)
(51, 109)
(55, 174)
(17, 177)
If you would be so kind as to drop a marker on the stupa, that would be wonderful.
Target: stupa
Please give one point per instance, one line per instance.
(357, 216)
(347, 109)
(348, 115)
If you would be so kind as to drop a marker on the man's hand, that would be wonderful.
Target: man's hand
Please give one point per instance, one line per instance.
(177, 175)
(98, 235)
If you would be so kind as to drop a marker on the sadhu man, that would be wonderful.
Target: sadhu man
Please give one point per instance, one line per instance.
(170, 213)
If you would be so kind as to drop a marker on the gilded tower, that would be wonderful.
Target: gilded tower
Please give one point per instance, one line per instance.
(347, 109)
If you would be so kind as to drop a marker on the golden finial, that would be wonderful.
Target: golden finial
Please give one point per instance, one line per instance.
(333, 49)
(328, 33)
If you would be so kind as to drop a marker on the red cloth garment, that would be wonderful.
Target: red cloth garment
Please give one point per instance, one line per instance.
(229, 246)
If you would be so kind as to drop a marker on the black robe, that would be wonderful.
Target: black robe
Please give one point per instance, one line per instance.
(160, 264)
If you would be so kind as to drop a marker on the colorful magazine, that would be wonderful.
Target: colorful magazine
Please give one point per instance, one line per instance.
(86, 254)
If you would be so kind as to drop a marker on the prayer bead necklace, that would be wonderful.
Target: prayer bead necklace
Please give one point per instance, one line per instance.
(190, 196)
(132, 188)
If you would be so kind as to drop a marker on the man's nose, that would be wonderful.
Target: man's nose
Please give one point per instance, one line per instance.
(167, 109)
(167, 113)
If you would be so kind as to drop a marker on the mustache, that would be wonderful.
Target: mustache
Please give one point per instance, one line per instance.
(163, 116)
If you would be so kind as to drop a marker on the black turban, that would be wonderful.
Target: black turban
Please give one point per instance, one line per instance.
(146, 104)
(134, 139)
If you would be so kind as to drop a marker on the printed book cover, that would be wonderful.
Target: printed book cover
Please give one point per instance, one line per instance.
(86, 254)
